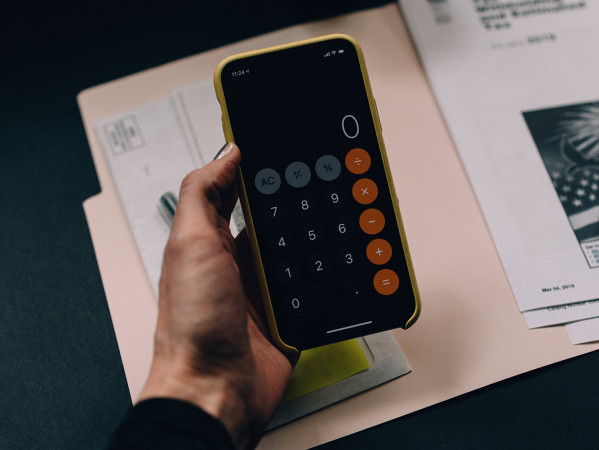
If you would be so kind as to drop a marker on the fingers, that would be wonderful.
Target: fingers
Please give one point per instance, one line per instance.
(207, 195)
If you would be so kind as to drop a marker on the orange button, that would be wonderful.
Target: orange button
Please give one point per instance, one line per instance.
(378, 251)
(357, 161)
(386, 282)
(372, 221)
(365, 191)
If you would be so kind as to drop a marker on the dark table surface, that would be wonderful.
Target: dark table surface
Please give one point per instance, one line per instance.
(61, 378)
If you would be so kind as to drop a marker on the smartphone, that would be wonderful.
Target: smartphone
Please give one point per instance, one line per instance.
(316, 192)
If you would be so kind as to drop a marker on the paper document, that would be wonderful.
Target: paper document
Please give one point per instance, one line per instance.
(150, 150)
(517, 84)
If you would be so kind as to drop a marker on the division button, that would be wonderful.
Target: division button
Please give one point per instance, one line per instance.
(267, 181)
(365, 191)
(298, 174)
(328, 168)
(386, 282)
(378, 252)
(372, 221)
(357, 161)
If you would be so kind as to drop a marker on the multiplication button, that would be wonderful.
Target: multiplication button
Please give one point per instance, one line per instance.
(267, 181)
(365, 191)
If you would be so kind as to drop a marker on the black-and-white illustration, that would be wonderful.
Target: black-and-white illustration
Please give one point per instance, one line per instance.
(567, 139)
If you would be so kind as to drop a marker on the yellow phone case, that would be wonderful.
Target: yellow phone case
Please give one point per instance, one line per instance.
(243, 195)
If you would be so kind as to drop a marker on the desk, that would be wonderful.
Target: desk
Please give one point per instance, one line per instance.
(62, 381)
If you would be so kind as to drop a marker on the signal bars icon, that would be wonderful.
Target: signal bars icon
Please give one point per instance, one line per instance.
(333, 53)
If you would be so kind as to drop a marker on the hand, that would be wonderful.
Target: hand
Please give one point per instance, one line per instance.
(208, 348)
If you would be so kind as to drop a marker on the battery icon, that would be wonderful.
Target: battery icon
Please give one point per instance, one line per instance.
(341, 51)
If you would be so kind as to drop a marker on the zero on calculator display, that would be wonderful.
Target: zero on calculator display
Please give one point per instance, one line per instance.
(317, 192)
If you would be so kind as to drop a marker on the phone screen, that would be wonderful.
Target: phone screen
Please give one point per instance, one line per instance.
(317, 193)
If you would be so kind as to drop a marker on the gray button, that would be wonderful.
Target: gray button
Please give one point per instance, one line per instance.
(268, 181)
(328, 167)
(298, 174)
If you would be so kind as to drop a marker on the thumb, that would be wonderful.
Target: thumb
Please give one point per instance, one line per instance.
(210, 190)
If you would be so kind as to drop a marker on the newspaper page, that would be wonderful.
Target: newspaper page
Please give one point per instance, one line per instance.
(517, 82)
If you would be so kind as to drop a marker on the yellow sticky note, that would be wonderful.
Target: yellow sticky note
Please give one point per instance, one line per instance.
(323, 366)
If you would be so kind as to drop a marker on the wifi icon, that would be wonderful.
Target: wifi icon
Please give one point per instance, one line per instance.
(333, 52)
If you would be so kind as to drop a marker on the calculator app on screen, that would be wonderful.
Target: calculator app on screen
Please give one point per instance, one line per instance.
(317, 192)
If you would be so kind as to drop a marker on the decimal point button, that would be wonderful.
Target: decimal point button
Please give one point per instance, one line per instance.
(365, 191)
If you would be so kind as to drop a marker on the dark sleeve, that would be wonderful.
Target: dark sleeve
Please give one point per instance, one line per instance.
(163, 423)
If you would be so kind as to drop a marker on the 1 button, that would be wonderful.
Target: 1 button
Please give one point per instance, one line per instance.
(357, 161)
(267, 181)
(288, 273)
(328, 168)
(378, 252)
(386, 282)
(298, 174)
(365, 191)
(372, 221)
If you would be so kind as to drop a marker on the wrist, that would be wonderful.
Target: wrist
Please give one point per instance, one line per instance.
(214, 394)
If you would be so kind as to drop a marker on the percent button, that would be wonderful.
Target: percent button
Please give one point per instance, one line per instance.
(328, 168)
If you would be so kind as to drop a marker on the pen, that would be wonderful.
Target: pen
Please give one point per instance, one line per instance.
(168, 201)
(166, 207)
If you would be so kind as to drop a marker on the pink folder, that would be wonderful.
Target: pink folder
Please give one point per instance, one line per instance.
(470, 333)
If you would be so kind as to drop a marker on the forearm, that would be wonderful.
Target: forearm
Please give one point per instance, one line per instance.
(162, 423)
